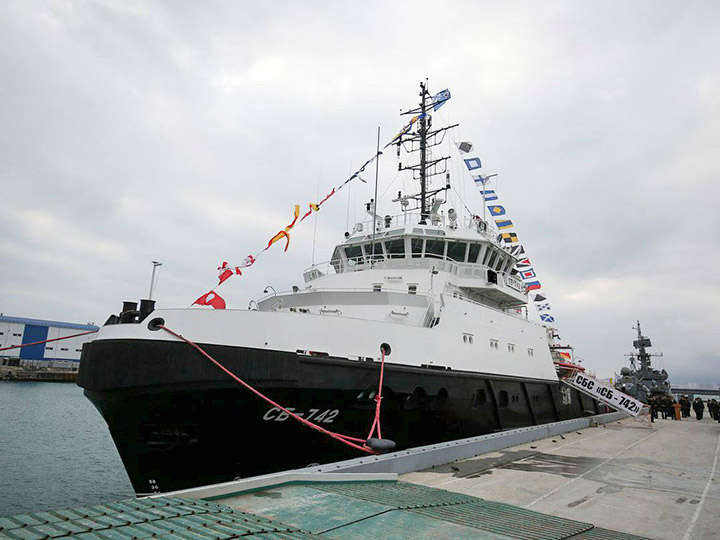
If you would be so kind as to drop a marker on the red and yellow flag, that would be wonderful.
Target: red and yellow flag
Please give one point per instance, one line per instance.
(285, 231)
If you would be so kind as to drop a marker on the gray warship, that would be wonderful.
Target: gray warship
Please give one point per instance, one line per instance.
(641, 380)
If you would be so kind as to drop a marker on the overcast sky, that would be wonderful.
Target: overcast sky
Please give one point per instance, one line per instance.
(185, 131)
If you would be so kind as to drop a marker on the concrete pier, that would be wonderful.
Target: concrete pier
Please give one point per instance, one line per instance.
(660, 481)
(9, 373)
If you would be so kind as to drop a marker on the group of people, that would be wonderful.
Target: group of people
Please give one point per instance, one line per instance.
(667, 405)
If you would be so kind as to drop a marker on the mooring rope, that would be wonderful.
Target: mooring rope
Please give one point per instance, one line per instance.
(47, 341)
(345, 439)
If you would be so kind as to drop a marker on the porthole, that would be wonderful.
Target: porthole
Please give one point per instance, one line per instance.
(416, 400)
(479, 398)
(503, 398)
(440, 400)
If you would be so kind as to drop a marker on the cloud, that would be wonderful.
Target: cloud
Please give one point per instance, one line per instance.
(186, 132)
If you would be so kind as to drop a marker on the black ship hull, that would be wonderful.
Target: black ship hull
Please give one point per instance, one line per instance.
(179, 422)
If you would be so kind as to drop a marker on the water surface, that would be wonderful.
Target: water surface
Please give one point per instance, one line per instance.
(55, 450)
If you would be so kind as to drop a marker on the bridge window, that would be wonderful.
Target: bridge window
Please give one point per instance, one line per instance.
(416, 246)
(395, 249)
(490, 261)
(456, 251)
(434, 248)
(375, 251)
(473, 253)
(354, 254)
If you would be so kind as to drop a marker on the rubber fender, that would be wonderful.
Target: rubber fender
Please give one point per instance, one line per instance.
(381, 446)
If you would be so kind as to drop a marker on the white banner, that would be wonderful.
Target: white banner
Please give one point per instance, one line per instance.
(605, 393)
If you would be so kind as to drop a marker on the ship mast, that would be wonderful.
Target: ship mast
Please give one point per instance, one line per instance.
(422, 141)
(640, 344)
(423, 152)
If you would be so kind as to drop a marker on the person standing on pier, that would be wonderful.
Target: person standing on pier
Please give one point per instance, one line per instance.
(676, 410)
(660, 400)
(685, 405)
(713, 408)
(698, 407)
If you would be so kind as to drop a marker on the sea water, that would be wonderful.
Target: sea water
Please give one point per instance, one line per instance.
(55, 450)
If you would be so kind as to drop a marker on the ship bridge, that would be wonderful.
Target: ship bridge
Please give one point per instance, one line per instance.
(400, 271)
(475, 263)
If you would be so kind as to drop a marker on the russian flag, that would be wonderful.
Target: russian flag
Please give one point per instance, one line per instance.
(533, 285)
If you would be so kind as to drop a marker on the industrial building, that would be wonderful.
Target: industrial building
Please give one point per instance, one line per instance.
(58, 354)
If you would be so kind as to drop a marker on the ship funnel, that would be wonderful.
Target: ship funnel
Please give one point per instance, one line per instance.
(146, 308)
(129, 312)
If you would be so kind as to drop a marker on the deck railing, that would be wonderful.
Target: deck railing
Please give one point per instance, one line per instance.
(390, 222)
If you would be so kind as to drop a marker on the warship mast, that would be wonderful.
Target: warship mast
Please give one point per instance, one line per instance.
(422, 141)
(641, 380)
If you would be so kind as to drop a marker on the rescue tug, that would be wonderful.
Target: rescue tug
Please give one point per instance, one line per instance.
(434, 293)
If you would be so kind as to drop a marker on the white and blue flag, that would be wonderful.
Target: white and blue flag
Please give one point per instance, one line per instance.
(440, 99)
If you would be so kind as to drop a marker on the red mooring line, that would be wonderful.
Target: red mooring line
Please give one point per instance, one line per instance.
(345, 439)
(47, 341)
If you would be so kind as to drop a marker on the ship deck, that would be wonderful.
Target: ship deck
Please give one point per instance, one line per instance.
(622, 480)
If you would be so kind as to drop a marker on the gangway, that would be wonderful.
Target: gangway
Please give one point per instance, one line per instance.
(604, 392)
